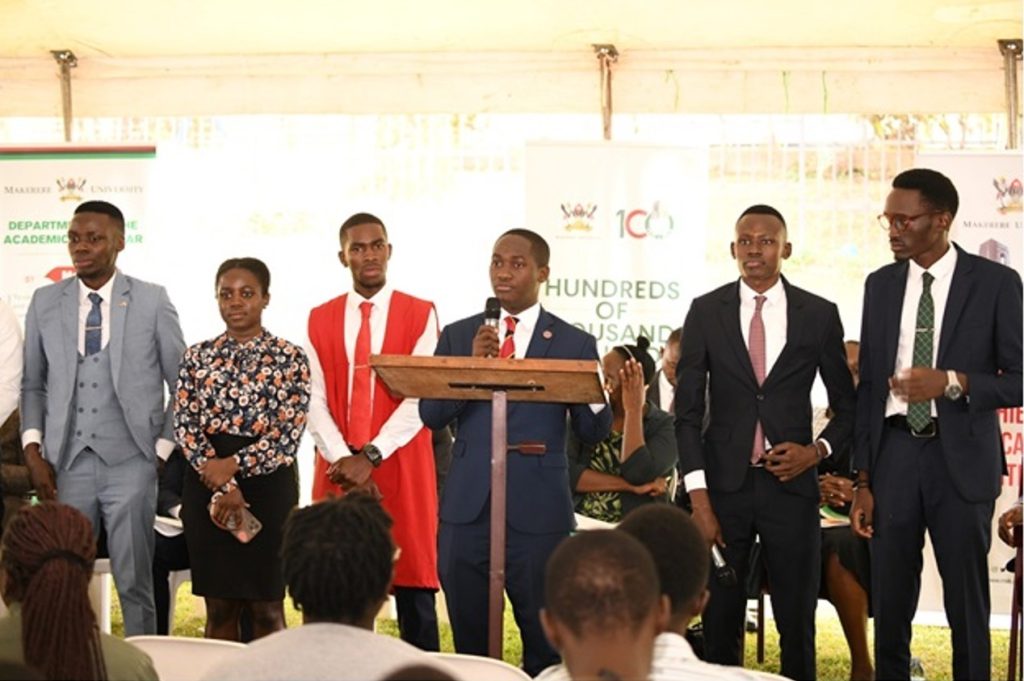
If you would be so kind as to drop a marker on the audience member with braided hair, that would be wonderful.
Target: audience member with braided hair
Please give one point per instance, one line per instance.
(602, 607)
(338, 561)
(631, 466)
(47, 560)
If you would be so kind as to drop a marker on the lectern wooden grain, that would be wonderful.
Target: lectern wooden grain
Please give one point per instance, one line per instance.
(499, 381)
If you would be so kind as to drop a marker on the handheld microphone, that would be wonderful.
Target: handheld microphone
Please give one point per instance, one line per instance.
(724, 574)
(492, 311)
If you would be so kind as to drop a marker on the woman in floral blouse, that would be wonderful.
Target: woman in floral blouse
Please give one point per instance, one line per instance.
(240, 411)
(632, 465)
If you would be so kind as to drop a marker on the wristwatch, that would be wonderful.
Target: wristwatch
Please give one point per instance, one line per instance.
(373, 454)
(954, 391)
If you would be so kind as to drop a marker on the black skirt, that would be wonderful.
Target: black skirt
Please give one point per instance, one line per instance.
(222, 566)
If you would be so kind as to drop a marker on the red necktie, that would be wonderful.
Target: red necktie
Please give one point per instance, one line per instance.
(758, 361)
(359, 408)
(508, 346)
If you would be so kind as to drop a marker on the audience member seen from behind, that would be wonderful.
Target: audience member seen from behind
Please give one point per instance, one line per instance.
(631, 466)
(845, 559)
(681, 557)
(603, 608)
(239, 415)
(338, 564)
(47, 561)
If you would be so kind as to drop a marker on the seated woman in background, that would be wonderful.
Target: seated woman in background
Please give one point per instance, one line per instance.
(239, 414)
(47, 561)
(632, 465)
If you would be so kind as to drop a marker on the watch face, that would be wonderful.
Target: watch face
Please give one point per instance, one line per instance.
(953, 392)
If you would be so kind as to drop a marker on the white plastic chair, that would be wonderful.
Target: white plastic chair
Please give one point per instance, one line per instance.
(180, 658)
(477, 667)
(175, 580)
(100, 592)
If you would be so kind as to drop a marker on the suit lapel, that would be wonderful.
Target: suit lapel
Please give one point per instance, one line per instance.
(893, 309)
(729, 317)
(69, 324)
(119, 298)
(540, 342)
(959, 289)
(794, 324)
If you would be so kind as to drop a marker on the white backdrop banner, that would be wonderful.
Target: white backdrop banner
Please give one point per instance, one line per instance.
(988, 223)
(40, 188)
(626, 227)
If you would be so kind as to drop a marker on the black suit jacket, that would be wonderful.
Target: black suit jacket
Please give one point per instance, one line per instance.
(980, 336)
(714, 358)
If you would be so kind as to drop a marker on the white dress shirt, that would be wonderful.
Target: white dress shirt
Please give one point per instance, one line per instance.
(666, 392)
(404, 422)
(942, 270)
(674, 660)
(163, 447)
(10, 361)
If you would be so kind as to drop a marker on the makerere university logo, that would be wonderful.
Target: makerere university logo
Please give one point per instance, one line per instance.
(70, 188)
(577, 218)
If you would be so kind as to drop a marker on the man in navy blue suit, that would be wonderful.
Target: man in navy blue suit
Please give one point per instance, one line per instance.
(539, 507)
(940, 353)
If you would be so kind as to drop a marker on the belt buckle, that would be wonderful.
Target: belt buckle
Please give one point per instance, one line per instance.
(929, 432)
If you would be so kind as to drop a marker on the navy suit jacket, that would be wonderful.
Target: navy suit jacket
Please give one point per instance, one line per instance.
(980, 336)
(715, 373)
(538, 498)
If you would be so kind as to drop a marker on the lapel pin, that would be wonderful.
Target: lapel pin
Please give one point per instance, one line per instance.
(123, 303)
(547, 334)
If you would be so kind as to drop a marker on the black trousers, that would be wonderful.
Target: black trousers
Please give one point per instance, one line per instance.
(464, 563)
(417, 617)
(170, 554)
(914, 491)
(790, 535)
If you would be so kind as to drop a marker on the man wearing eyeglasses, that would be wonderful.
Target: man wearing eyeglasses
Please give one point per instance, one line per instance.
(940, 354)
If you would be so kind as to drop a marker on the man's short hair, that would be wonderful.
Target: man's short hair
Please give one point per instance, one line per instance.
(600, 580)
(936, 189)
(103, 208)
(360, 219)
(762, 209)
(676, 336)
(337, 558)
(680, 553)
(538, 246)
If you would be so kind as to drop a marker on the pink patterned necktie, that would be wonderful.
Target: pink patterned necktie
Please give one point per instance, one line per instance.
(758, 361)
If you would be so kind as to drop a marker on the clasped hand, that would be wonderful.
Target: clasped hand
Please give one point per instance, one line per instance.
(215, 473)
(918, 384)
(788, 460)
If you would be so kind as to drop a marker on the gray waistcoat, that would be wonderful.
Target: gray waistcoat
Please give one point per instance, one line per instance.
(97, 421)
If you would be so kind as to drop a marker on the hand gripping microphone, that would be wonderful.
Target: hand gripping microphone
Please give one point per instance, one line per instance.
(492, 311)
(724, 574)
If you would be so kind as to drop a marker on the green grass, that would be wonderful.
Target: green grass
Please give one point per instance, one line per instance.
(931, 644)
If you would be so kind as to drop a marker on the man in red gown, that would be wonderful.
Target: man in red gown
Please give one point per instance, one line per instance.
(367, 439)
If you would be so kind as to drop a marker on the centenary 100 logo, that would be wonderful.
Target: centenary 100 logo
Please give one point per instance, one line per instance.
(640, 224)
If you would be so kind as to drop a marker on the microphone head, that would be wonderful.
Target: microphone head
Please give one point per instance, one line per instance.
(492, 311)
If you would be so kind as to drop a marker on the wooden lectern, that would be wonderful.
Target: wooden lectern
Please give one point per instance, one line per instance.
(500, 381)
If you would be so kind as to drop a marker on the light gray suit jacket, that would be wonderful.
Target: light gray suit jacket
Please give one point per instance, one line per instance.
(146, 346)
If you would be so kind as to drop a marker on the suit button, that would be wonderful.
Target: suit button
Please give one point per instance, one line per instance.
(81, 385)
(95, 410)
(760, 397)
(93, 436)
(81, 410)
(95, 385)
(95, 359)
(78, 433)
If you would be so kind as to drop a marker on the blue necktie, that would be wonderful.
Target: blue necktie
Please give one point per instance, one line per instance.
(94, 326)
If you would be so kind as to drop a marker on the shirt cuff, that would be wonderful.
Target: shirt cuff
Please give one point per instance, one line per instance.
(598, 406)
(695, 480)
(164, 448)
(326, 452)
(175, 511)
(31, 436)
(828, 447)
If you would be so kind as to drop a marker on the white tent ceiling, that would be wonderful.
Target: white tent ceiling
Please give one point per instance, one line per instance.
(245, 56)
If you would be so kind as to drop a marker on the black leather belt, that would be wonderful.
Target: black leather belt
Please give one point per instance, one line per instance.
(900, 421)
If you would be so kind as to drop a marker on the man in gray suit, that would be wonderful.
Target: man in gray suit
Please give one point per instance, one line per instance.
(99, 349)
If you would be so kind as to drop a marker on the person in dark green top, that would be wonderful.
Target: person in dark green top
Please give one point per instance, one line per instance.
(46, 563)
(634, 464)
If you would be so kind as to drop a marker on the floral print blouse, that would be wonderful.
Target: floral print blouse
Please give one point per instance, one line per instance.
(258, 388)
